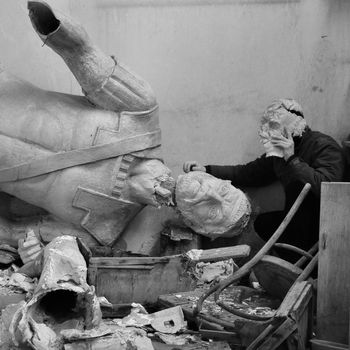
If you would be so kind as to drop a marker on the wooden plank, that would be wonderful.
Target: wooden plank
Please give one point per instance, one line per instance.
(234, 252)
(127, 267)
(279, 335)
(114, 261)
(304, 332)
(333, 300)
(302, 303)
(327, 345)
(296, 299)
(92, 275)
(231, 337)
(261, 337)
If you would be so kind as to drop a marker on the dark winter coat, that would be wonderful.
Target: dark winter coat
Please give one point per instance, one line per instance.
(318, 158)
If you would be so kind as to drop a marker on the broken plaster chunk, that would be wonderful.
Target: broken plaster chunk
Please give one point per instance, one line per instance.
(70, 335)
(139, 307)
(104, 302)
(136, 319)
(208, 272)
(44, 337)
(29, 248)
(256, 285)
(169, 321)
(194, 254)
(61, 300)
(178, 233)
(178, 340)
(7, 315)
(13, 287)
(22, 282)
(8, 254)
(122, 338)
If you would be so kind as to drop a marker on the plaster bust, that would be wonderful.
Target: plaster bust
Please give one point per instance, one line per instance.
(211, 206)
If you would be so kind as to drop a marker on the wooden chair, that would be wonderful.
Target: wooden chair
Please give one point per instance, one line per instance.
(292, 321)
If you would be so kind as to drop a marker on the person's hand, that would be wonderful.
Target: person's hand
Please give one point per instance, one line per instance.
(192, 165)
(286, 144)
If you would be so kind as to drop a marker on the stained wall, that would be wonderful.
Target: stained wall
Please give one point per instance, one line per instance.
(214, 65)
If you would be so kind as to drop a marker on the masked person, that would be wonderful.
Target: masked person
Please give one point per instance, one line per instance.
(295, 155)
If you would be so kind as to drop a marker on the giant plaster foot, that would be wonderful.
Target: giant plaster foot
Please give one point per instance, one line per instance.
(104, 80)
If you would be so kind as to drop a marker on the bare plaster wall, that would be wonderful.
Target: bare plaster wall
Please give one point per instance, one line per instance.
(214, 65)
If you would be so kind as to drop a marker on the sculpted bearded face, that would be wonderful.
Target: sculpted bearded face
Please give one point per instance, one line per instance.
(211, 206)
(282, 117)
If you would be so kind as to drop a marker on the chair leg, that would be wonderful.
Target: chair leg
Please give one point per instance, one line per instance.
(281, 334)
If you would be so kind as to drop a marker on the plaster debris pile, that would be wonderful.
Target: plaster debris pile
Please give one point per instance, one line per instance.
(168, 321)
(60, 311)
(61, 300)
(167, 326)
(209, 272)
(14, 286)
(206, 271)
(8, 254)
(244, 299)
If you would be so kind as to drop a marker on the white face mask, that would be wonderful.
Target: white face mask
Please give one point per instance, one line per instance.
(278, 121)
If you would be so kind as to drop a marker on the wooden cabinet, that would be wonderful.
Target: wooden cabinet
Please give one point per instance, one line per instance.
(333, 287)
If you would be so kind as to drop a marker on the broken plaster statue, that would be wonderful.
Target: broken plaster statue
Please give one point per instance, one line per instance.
(61, 310)
(93, 162)
(62, 299)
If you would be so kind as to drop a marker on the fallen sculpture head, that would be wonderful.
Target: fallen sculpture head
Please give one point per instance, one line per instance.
(210, 206)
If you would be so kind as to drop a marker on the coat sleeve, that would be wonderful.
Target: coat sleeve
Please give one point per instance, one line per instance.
(328, 165)
(259, 172)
